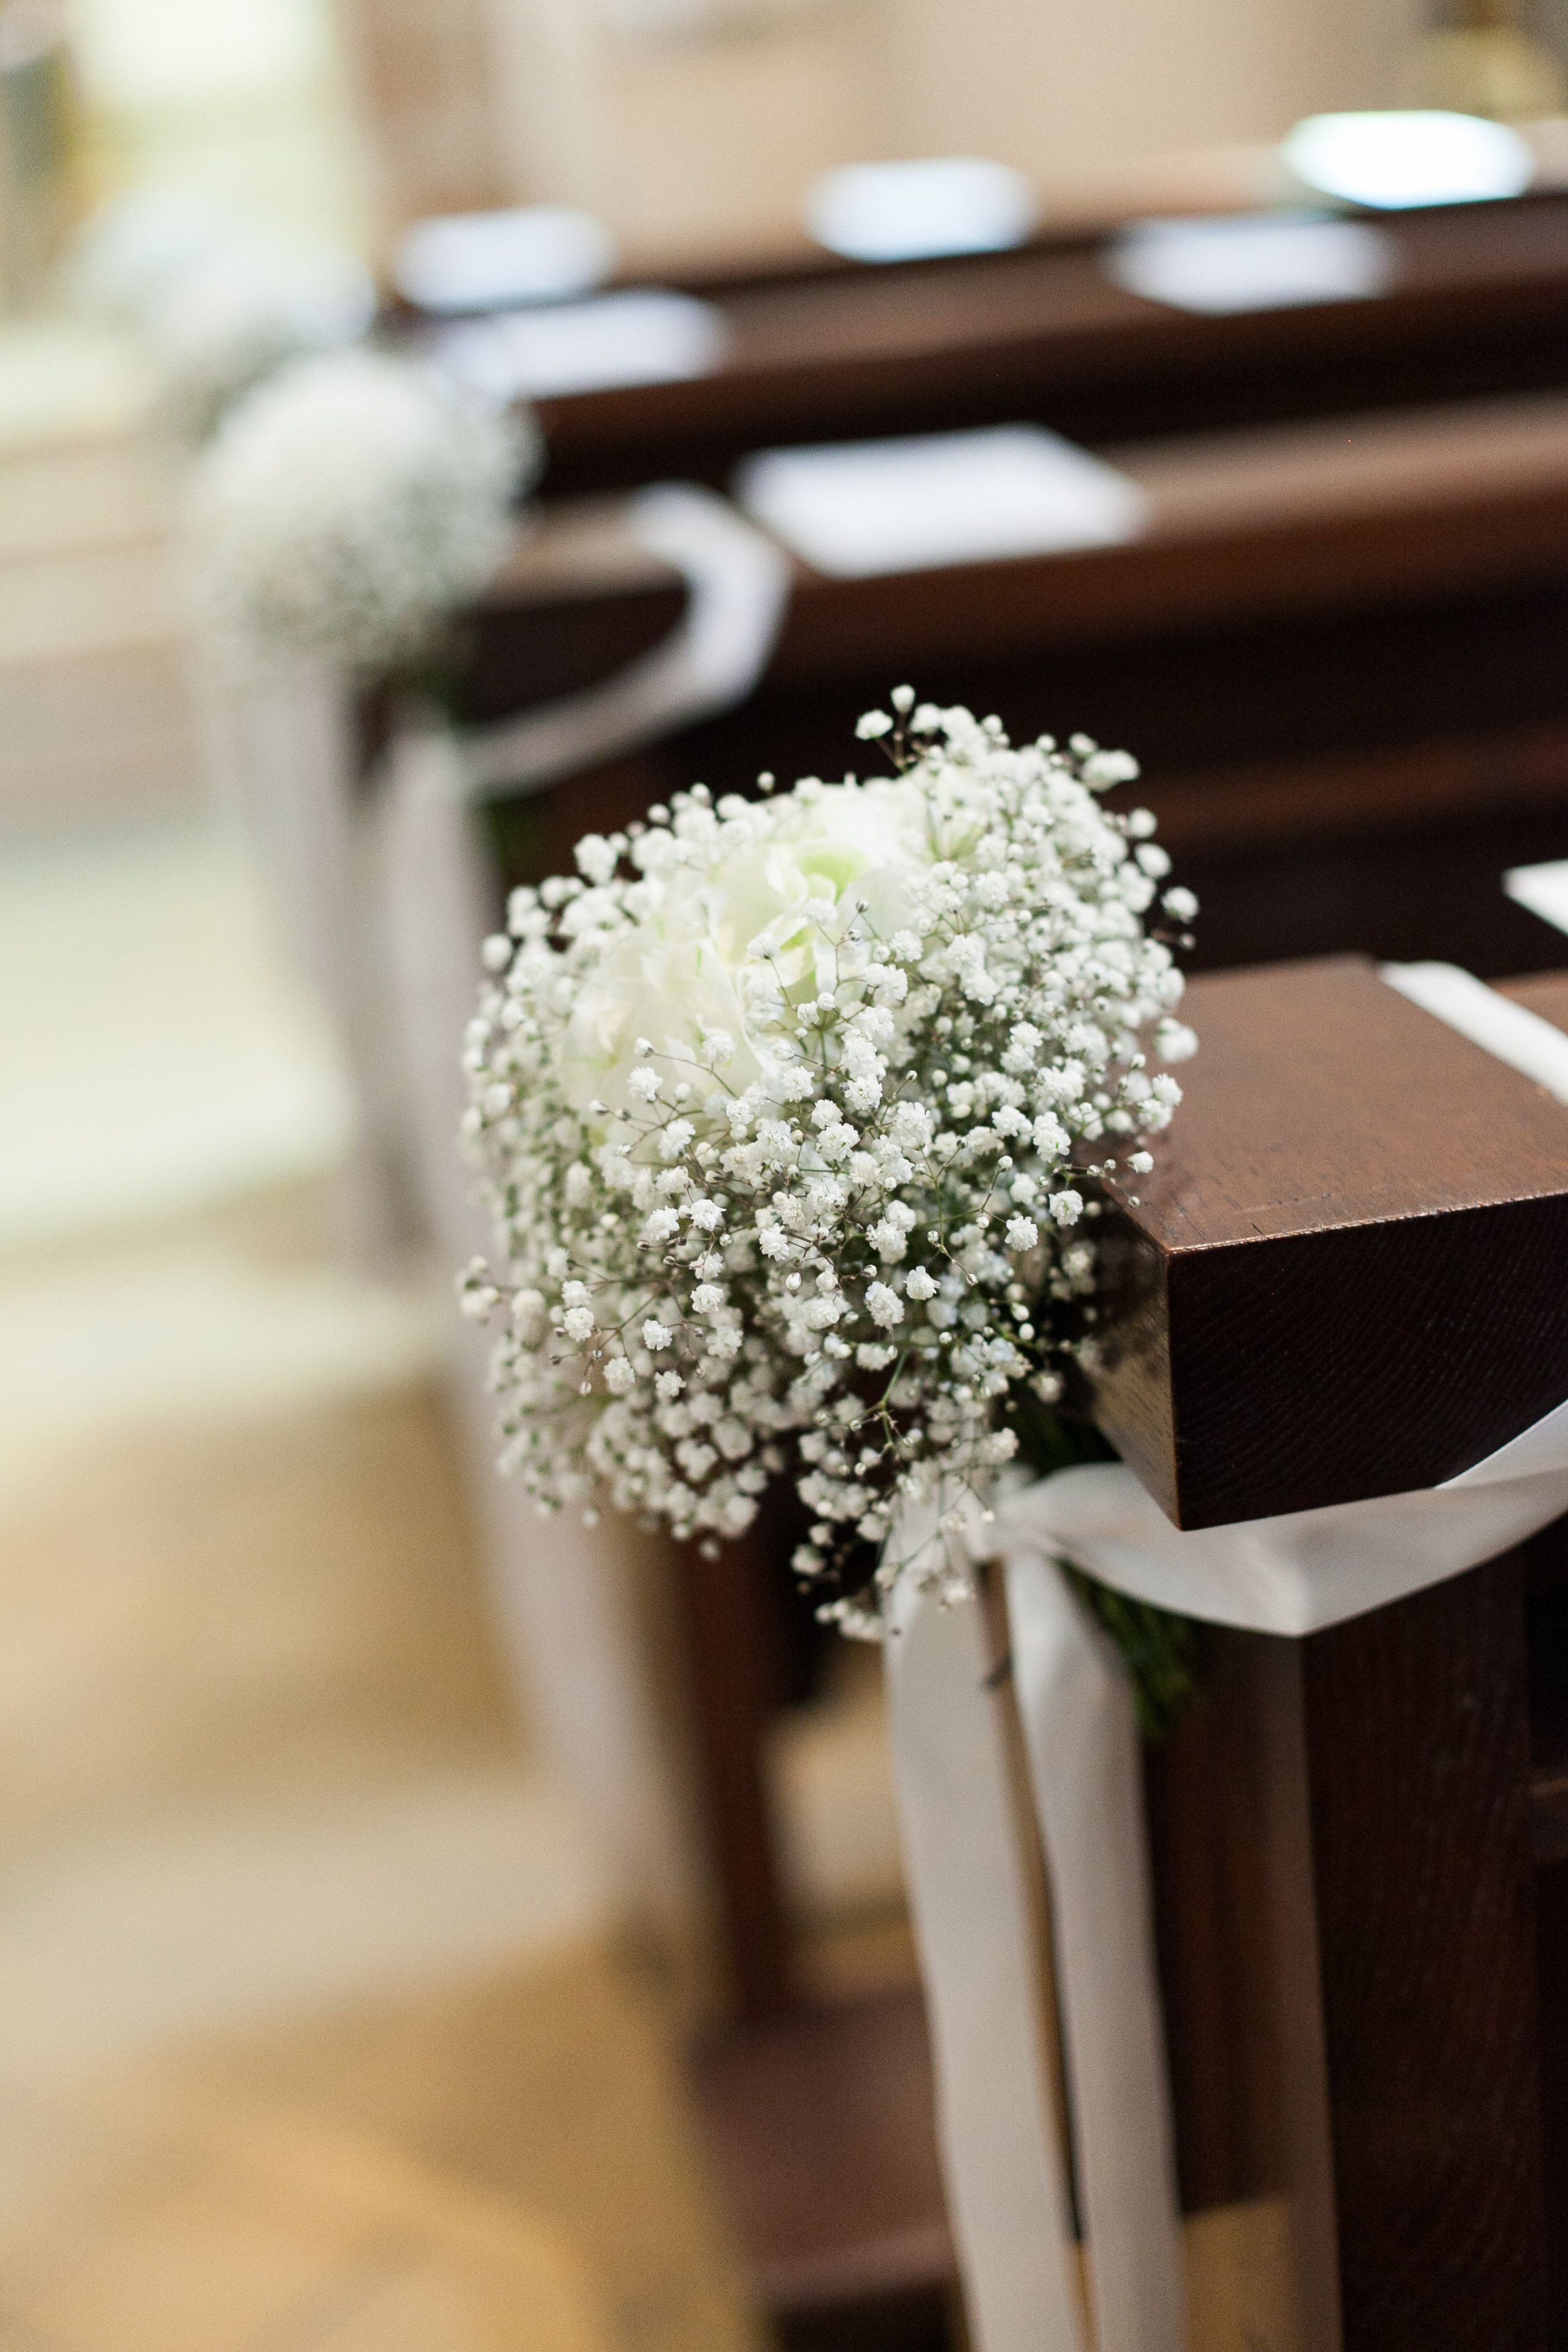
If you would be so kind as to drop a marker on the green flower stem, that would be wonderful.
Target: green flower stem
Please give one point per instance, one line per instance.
(1162, 1651)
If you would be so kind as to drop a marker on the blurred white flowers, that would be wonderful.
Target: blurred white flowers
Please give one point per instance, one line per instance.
(225, 326)
(348, 503)
(776, 1102)
(217, 302)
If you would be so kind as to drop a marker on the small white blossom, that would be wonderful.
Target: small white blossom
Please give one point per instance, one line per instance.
(1175, 1042)
(656, 1335)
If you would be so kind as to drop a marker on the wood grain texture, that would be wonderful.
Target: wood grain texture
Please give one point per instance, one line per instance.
(1417, 1745)
(1206, 1790)
(1330, 1285)
(1545, 1559)
(1552, 1949)
(1543, 992)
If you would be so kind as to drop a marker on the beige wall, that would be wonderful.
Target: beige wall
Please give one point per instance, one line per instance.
(1064, 87)
(688, 139)
(427, 86)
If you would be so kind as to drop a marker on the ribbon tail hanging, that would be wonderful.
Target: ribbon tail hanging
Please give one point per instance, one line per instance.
(1003, 2161)
(1081, 1736)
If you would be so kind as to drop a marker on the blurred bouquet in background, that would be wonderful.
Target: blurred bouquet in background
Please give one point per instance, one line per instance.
(347, 505)
(217, 302)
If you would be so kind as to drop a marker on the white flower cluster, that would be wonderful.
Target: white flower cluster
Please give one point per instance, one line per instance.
(788, 1111)
(350, 501)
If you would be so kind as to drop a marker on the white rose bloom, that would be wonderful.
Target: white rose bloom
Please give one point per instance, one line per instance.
(723, 941)
(665, 981)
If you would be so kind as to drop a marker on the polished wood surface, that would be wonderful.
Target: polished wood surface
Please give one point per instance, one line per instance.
(1546, 1563)
(1329, 1287)
(1419, 1741)
(1477, 305)
(1279, 519)
(1363, 1961)
(1283, 518)
(1552, 1949)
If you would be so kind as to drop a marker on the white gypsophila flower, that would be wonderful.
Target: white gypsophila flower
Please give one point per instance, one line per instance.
(788, 1113)
(350, 503)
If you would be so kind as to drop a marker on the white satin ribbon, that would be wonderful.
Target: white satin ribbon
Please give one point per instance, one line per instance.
(1004, 2163)
(736, 583)
(1003, 2160)
(568, 1614)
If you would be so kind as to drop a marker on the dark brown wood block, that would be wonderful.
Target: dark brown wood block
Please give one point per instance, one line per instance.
(1551, 1946)
(1418, 1741)
(1332, 1286)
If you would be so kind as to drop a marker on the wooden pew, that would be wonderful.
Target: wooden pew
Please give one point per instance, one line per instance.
(1477, 305)
(1360, 1839)
(1339, 651)
(1351, 1831)
(1336, 649)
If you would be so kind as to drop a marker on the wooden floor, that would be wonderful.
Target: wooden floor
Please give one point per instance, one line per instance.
(292, 2082)
(171, 2227)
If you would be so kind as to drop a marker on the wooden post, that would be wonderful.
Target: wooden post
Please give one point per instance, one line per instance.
(1335, 1286)
(1340, 1283)
(1417, 1757)
(732, 1653)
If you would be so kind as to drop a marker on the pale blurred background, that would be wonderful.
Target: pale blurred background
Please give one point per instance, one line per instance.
(318, 2022)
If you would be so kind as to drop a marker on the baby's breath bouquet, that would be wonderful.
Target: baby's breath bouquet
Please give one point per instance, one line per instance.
(790, 1113)
(350, 503)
